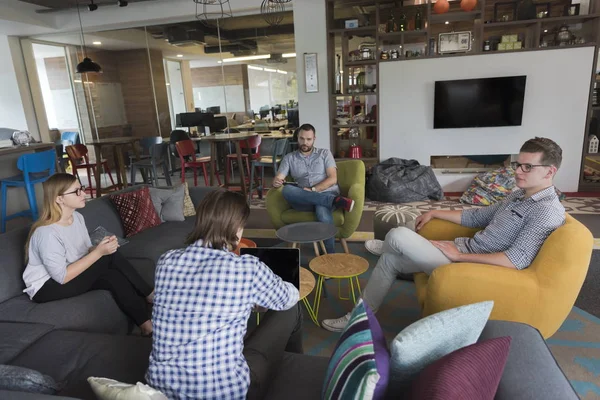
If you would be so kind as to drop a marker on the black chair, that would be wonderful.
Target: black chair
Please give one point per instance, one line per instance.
(279, 150)
(157, 158)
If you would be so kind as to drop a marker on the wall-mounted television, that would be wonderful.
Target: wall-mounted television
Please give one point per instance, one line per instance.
(475, 103)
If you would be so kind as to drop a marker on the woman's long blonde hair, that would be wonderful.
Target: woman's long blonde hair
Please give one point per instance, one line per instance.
(55, 186)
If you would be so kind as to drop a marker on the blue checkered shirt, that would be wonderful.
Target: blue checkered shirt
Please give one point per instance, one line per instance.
(517, 226)
(203, 299)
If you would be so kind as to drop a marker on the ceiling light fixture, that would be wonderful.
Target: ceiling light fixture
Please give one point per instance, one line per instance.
(255, 68)
(270, 70)
(179, 55)
(447, 22)
(282, 72)
(97, 43)
(213, 10)
(91, 6)
(288, 55)
(272, 12)
(87, 65)
(247, 58)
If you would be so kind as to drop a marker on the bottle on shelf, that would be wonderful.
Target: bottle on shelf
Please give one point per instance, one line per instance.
(418, 20)
(391, 24)
(402, 19)
(338, 76)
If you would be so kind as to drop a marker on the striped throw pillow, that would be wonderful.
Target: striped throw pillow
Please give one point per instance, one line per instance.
(359, 366)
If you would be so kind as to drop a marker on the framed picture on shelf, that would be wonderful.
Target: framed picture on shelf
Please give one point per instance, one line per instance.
(455, 42)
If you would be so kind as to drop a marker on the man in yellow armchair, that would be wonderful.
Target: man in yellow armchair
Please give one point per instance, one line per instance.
(512, 235)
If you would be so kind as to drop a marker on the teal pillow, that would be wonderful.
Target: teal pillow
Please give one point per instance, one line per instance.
(433, 337)
(359, 366)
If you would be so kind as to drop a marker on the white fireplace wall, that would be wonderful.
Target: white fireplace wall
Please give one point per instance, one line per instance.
(556, 98)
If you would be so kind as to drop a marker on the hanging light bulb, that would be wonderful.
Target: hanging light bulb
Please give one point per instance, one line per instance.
(87, 65)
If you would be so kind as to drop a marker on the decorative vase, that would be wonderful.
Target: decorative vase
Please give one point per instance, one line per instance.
(468, 5)
(526, 10)
(441, 6)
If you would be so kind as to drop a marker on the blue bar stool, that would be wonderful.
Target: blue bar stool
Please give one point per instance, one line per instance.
(36, 168)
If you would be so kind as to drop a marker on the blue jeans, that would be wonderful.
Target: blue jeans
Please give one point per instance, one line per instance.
(319, 203)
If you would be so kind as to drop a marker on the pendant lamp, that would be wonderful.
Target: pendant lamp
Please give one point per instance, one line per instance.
(87, 65)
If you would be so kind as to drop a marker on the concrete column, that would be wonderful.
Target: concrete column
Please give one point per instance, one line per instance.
(310, 33)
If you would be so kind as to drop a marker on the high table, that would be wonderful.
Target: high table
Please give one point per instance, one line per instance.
(116, 143)
(235, 138)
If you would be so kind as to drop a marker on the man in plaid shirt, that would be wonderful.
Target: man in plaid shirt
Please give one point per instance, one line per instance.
(513, 230)
(204, 295)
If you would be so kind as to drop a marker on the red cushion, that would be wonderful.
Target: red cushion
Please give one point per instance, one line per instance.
(470, 373)
(136, 211)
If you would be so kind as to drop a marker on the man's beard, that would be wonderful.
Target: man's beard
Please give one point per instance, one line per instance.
(306, 149)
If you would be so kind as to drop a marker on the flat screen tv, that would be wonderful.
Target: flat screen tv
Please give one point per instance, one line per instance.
(475, 103)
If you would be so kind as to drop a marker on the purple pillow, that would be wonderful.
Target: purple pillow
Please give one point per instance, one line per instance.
(472, 372)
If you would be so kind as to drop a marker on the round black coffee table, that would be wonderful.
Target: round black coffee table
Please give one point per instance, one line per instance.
(307, 232)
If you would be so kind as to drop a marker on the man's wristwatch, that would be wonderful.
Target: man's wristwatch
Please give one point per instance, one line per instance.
(313, 189)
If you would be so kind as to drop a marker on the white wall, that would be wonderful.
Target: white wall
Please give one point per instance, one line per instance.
(556, 98)
(310, 35)
(12, 114)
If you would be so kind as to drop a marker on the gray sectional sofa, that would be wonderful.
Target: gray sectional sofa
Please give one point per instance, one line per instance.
(75, 338)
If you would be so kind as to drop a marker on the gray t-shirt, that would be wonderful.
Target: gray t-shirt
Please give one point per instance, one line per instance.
(51, 249)
(310, 170)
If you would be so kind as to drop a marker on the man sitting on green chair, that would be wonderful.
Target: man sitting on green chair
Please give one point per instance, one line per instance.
(315, 175)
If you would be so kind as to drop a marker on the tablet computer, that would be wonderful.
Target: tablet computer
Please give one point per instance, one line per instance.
(284, 262)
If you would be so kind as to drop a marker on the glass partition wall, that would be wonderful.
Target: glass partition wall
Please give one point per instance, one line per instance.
(242, 69)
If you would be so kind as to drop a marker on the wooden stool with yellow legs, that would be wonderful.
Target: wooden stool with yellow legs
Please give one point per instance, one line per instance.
(338, 266)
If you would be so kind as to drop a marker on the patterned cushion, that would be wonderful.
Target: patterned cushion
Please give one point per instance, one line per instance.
(22, 379)
(188, 206)
(490, 187)
(472, 372)
(431, 338)
(136, 211)
(359, 366)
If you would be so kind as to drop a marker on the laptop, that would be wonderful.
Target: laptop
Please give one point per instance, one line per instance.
(284, 262)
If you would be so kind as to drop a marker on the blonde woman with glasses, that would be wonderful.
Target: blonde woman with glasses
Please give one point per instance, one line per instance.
(62, 263)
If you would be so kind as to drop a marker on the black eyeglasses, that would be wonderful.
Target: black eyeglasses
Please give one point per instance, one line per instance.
(76, 191)
(526, 167)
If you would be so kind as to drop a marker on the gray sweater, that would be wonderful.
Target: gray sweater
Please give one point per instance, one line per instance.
(51, 249)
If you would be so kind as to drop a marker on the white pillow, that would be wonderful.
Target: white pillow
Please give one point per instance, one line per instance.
(109, 389)
(433, 337)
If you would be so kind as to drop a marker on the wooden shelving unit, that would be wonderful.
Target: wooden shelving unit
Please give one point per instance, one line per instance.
(374, 15)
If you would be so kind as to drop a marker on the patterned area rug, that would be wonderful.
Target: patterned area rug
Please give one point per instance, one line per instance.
(576, 345)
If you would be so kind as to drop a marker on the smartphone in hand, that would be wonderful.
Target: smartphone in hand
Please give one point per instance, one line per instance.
(291, 183)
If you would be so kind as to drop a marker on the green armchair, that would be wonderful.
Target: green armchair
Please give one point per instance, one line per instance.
(351, 179)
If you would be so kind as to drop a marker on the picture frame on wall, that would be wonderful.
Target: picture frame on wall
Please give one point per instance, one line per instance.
(311, 78)
(454, 42)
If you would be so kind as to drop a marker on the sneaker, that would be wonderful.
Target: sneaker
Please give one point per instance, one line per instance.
(336, 325)
(374, 246)
(343, 202)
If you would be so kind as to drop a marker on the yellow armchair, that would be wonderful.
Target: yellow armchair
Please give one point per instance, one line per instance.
(541, 295)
